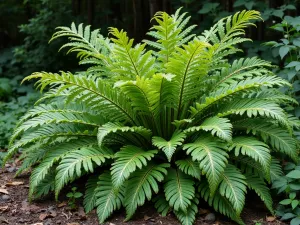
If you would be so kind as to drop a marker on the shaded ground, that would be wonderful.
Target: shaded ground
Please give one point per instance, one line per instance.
(15, 210)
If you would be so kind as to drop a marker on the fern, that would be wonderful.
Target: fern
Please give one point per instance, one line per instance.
(140, 185)
(213, 159)
(177, 124)
(127, 161)
(179, 190)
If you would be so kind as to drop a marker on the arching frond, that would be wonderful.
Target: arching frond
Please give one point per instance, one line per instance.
(221, 127)
(233, 187)
(278, 138)
(128, 159)
(90, 196)
(74, 163)
(254, 108)
(130, 62)
(127, 132)
(169, 147)
(258, 185)
(213, 159)
(189, 64)
(188, 217)
(190, 167)
(253, 148)
(109, 198)
(55, 153)
(169, 32)
(161, 204)
(219, 203)
(83, 41)
(140, 186)
(179, 190)
(236, 87)
(90, 91)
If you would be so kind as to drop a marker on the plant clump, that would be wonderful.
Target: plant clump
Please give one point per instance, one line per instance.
(170, 121)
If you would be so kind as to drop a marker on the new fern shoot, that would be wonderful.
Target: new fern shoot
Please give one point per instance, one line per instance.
(168, 120)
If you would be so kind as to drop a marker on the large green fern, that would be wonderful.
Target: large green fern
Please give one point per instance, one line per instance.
(177, 124)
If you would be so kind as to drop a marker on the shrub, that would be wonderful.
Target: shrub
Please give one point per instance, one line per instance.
(175, 125)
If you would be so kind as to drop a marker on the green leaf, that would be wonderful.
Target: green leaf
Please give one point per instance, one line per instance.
(295, 203)
(77, 195)
(294, 174)
(295, 221)
(179, 190)
(285, 202)
(170, 146)
(283, 51)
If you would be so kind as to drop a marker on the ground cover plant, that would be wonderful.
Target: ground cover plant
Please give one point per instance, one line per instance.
(178, 124)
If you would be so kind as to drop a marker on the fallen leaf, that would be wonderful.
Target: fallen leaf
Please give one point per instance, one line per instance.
(37, 224)
(61, 204)
(203, 211)
(270, 218)
(3, 220)
(81, 213)
(3, 208)
(43, 216)
(4, 191)
(52, 213)
(73, 224)
(14, 183)
(147, 217)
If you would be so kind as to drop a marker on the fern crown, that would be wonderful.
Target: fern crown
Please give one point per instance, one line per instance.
(169, 120)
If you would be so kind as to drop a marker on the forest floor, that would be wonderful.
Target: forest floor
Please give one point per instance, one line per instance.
(16, 210)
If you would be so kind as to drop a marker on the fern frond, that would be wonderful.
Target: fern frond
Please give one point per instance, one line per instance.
(46, 185)
(161, 204)
(130, 62)
(74, 163)
(179, 190)
(233, 187)
(55, 153)
(90, 196)
(213, 159)
(169, 147)
(275, 169)
(132, 133)
(236, 87)
(219, 203)
(253, 148)
(258, 185)
(83, 41)
(140, 186)
(221, 127)
(189, 64)
(254, 108)
(90, 91)
(109, 198)
(128, 159)
(189, 167)
(188, 217)
(278, 138)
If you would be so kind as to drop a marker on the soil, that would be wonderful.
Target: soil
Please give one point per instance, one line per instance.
(15, 209)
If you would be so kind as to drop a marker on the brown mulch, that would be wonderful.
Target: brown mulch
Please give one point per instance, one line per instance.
(15, 209)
